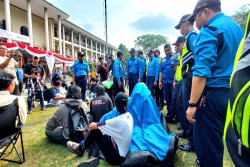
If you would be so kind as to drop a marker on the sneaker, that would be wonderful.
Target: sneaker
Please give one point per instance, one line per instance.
(179, 127)
(92, 162)
(29, 111)
(74, 148)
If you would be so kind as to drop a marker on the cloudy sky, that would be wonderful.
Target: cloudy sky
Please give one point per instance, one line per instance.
(128, 19)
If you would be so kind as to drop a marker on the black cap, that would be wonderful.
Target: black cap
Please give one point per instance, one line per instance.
(119, 53)
(180, 39)
(201, 4)
(157, 50)
(132, 50)
(81, 54)
(36, 57)
(110, 56)
(183, 19)
(100, 58)
(120, 98)
(140, 52)
(150, 52)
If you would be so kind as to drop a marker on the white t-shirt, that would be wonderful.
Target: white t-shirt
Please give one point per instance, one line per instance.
(11, 67)
(120, 129)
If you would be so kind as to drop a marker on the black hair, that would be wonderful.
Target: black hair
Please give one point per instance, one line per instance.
(57, 82)
(167, 46)
(216, 8)
(99, 90)
(121, 102)
(5, 80)
(2, 44)
(92, 79)
(65, 85)
(74, 92)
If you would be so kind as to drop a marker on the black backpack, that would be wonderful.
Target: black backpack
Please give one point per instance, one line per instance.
(77, 123)
(46, 95)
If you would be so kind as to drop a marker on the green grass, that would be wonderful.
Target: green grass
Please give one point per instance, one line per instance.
(39, 151)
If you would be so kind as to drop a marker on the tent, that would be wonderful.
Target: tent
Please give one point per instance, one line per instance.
(48, 58)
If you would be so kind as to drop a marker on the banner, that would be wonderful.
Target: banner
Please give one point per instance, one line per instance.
(14, 36)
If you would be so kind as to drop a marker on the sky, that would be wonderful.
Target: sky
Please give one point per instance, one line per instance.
(128, 19)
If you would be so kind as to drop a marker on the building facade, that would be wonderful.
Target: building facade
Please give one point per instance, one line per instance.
(41, 25)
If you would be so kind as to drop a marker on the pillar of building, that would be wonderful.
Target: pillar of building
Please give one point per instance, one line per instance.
(46, 29)
(64, 45)
(29, 22)
(91, 49)
(7, 18)
(96, 51)
(60, 34)
(72, 44)
(80, 43)
(86, 47)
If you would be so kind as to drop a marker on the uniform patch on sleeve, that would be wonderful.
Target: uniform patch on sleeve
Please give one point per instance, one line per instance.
(163, 60)
(173, 57)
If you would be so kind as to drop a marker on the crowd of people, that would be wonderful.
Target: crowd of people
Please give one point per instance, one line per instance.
(192, 82)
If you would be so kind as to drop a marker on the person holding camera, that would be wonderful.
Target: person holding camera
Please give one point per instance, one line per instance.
(35, 75)
(102, 70)
(8, 64)
(80, 75)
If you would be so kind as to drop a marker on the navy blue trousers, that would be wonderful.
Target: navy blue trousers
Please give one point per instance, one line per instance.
(208, 129)
(82, 83)
(144, 78)
(132, 81)
(117, 88)
(159, 96)
(167, 93)
(175, 100)
(150, 83)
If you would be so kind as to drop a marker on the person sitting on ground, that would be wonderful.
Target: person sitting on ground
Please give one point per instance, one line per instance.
(56, 94)
(99, 106)
(7, 82)
(57, 128)
(113, 136)
(92, 86)
(55, 78)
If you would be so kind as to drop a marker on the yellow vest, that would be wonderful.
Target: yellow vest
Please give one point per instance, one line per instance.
(239, 103)
(178, 76)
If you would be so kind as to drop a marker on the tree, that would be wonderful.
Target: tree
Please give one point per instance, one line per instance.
(150, 41)
(124, 50)
(241, 15)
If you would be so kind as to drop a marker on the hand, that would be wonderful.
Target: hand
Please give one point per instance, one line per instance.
(127, 82)
(93, 126)
(88, 83)
(160, 85)
(19, 55)
(139, 80)
(190, 114)
(12, 53)
(42, 81)
(174, 84)
(33, 76)
(119, 84)
(89, 95)
(74, 82)
(155, 84)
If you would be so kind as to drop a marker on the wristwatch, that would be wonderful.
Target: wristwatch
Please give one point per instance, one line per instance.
(192, 104)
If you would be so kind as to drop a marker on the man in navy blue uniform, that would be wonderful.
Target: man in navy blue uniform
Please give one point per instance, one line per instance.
(134, 71)
(144, 66)
(80, 75)
(187, 29)
(159, 92)
(118, 74)
(153, 72)
(216, 48)
(167, 72)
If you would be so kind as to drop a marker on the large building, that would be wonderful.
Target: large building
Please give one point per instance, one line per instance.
(41, 25)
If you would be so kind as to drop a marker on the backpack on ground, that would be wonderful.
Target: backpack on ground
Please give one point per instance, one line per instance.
(77, 123)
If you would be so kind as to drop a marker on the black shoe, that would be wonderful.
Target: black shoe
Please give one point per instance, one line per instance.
(179, 127)
(173, 121)
(181, 135)
(197, 162)
(186, 147)
(92, 162)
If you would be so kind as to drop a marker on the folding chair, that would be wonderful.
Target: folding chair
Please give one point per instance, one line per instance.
(9, 133)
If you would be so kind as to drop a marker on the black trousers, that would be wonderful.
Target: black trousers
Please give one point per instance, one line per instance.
(105, 144)
(159, 96)
(117, 88)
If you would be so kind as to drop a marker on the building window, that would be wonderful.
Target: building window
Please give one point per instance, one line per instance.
(3, 24)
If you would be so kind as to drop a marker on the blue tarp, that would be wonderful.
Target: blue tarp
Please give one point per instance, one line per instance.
(148, 132)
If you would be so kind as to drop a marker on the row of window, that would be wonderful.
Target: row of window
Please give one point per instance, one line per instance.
(23, 30)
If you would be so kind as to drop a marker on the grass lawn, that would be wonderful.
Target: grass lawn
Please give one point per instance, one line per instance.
(39, 151)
